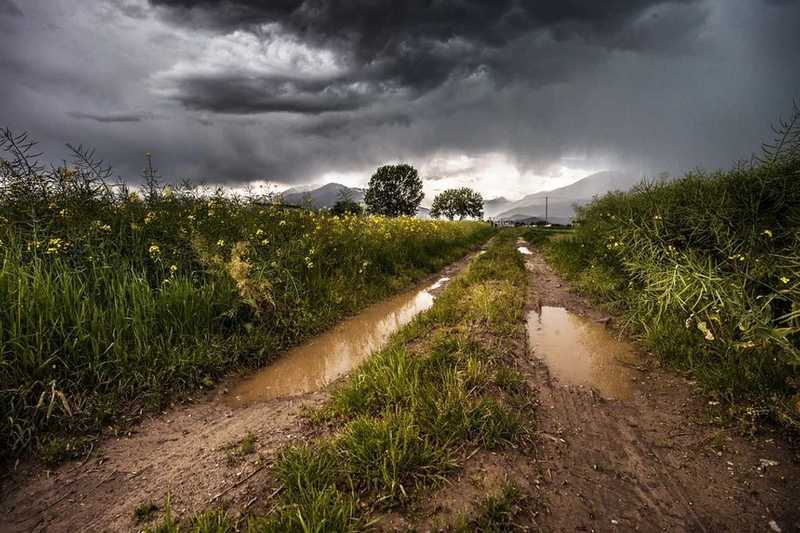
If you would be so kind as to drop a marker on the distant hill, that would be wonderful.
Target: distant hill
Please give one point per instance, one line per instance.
(321, 197)
(495, 206)
(561, 202)
(326, 196)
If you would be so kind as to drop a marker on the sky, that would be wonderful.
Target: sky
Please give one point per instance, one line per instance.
(505, 96)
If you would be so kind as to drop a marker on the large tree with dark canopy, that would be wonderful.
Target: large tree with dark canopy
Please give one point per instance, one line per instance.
(394, 190)
(462, 202)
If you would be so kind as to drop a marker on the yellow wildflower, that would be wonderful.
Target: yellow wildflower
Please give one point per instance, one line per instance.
(154, 249)
(173, 268)
(767, 232)
(784, 280)
(221, 242)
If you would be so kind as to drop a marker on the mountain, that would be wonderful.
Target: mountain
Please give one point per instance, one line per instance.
(561, 202)
(495, 206)
(327, 195)
(324, 196)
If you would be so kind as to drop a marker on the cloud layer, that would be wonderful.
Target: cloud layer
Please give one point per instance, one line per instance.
(508, 96)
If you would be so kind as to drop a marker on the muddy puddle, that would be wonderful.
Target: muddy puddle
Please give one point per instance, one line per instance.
(580, 352)
(325, 358)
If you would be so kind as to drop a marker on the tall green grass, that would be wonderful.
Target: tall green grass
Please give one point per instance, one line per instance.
(112, 301)
(706, 269)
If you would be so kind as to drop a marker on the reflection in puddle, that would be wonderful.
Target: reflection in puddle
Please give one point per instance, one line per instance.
(323, 359)
(524, 250)
(439, 283)
(579, 352)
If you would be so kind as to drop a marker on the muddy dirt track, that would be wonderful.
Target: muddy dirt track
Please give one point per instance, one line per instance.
(649, 462)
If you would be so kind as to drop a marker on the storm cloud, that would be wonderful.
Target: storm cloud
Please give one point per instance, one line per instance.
(508, 96)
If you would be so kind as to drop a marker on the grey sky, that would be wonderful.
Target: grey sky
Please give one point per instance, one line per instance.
(506, 96)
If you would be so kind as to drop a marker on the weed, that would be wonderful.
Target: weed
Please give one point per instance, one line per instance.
(496, 513)
(144, 511)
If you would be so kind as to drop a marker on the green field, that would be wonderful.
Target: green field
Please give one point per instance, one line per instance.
(112, 300)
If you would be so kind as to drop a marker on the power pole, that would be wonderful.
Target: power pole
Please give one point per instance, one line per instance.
(150, 177)
(149, 172)
(546, 205)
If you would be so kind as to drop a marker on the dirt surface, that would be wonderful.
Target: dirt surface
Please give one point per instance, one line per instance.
(188, 452)
(652, 462)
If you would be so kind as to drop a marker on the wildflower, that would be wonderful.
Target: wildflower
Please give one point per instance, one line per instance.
(767, 232)
(154, 250)
(259, 232)
(173, 268)
(169, 192)
(282, 223)
(190, 217)
(221, 242)
(265, 242)
(784, 280)
(64, 212)
(55, 246)
(149, 217)
(703, 327)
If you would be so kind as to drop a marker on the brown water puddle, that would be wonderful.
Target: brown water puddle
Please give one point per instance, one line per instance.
(579, 352)
(325, 358)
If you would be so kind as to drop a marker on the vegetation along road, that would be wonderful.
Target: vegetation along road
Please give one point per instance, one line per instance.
(635, 372)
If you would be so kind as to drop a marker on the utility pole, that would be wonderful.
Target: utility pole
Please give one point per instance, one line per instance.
(149, 172)
(150, 177)
(546, 205)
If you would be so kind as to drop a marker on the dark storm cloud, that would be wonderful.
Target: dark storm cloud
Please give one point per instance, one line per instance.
(112, 117)
(411, 46)
(292, 91)
(9, 8)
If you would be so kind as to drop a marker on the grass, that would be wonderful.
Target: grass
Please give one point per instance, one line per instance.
(409, 417)
(705, 271)
(237, 451)
(495, 513)
(410, 412)
(113, 301)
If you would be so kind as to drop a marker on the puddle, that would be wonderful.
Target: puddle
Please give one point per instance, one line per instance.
(325, 358)
(579, 352)
(438, 284)
(524, 250)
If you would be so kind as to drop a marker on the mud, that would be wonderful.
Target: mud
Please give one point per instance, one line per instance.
(581, 352)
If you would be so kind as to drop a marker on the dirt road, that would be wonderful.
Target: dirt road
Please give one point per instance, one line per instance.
(650, 462)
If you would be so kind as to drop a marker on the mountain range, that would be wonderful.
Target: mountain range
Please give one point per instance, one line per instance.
(558, 204)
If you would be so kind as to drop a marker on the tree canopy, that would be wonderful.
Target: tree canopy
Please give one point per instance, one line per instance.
(462, 202)
(394, 190)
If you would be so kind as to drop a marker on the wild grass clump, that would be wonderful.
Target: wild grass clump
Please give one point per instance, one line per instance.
(408, 415)
(706, 269)
(113, 299)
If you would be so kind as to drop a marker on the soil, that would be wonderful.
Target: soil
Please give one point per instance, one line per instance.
(187, 452)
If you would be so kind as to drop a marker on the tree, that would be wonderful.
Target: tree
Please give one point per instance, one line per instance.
(394, 190)
(463, 202)
(345, 205)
